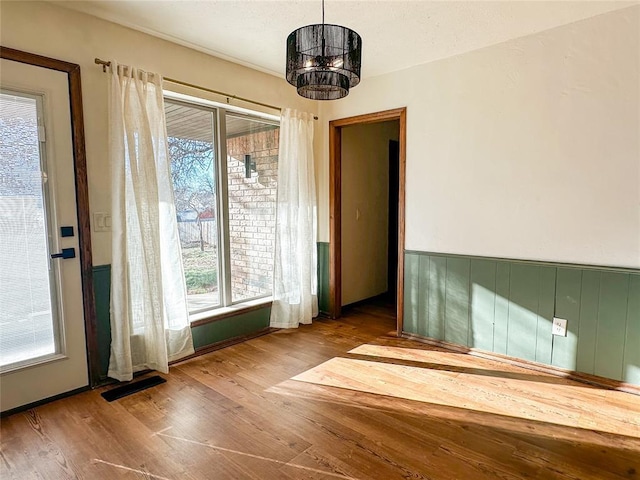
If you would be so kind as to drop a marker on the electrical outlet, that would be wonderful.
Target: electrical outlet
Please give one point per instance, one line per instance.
(559, 327)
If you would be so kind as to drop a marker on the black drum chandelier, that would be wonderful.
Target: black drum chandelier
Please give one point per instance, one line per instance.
(323, 61)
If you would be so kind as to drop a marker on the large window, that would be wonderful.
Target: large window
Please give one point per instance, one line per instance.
(224, 170)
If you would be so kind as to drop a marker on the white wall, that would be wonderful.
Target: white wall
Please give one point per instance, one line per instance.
(365, 209)
(63, 34)
(527, 149)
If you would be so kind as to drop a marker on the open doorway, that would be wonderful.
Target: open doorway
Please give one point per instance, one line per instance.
(395, 220)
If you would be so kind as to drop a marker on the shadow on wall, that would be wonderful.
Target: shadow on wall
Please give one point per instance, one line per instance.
(507, 307)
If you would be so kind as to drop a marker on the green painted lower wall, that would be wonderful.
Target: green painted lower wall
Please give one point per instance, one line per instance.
(232, 327)
(323, 277)
(507, 307)
(102, 293)
(203, 335)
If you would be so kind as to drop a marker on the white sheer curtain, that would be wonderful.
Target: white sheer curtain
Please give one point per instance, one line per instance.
(149, 313)
(295, 279)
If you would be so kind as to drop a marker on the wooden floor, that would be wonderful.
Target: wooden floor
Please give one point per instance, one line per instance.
(334, 400)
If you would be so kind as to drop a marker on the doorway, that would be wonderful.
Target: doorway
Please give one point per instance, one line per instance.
(46, 292)
(335, 205)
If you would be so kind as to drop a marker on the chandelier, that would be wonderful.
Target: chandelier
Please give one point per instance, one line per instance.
(323, 61)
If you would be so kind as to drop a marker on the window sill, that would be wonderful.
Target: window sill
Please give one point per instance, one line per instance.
(210, 316)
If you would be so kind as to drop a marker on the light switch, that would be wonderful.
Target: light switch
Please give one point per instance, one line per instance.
(101, 222)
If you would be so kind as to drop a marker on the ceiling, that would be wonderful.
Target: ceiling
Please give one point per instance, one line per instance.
(396, 34)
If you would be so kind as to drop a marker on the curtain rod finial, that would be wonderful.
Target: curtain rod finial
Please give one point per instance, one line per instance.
(103, 63)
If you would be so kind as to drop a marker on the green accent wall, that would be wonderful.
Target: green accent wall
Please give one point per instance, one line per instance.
(323, 276)
(102, 293)
(203, 335)
(507, 307)
(231, 327)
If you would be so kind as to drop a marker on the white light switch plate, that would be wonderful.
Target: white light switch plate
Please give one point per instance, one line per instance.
(559, 327)
(101, 222)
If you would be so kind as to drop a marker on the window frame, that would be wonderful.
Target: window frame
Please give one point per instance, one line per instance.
(219, 112)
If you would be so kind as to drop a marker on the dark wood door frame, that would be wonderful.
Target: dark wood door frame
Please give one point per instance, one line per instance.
(335, 204)
(82, 194)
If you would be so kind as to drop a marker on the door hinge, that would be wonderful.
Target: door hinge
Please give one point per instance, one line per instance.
(41, 134)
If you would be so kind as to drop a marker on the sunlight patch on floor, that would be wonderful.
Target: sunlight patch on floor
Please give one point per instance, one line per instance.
(437, 357)
(495, 395)
(413, 354)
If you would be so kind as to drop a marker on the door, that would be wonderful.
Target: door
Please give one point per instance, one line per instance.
(42, 328)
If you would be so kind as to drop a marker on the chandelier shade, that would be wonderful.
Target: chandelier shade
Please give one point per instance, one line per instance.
(323, 61)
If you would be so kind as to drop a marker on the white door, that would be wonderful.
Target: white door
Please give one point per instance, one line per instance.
(42, 331)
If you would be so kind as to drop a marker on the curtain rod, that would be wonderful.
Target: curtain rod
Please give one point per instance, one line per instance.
(106, 64)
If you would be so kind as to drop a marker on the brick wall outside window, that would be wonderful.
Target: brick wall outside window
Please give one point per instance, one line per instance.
(252, 214)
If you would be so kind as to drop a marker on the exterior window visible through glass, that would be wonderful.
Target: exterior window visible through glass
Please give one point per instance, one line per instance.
(190, 132)
(252, 168)
(224, 169)
(28, 315)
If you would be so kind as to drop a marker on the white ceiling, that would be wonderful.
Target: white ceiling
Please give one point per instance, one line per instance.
(396, 34)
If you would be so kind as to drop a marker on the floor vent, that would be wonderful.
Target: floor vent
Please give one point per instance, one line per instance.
(133, 387)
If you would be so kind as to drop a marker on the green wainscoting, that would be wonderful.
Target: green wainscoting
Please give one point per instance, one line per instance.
(323, 277)
(102, 292)
(203, 335)
(507, 307)
(233, 327)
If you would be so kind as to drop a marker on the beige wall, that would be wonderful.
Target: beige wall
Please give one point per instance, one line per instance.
(56, 32)
(526, 149)
(365, 209)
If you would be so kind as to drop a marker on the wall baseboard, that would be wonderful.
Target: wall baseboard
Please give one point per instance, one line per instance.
(594, 380)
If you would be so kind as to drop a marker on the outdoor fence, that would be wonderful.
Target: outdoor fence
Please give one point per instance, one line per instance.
(190, 232)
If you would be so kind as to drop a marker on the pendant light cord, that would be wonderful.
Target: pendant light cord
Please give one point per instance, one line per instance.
(323, 44)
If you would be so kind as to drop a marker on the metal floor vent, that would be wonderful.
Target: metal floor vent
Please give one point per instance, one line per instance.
(132, 387)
